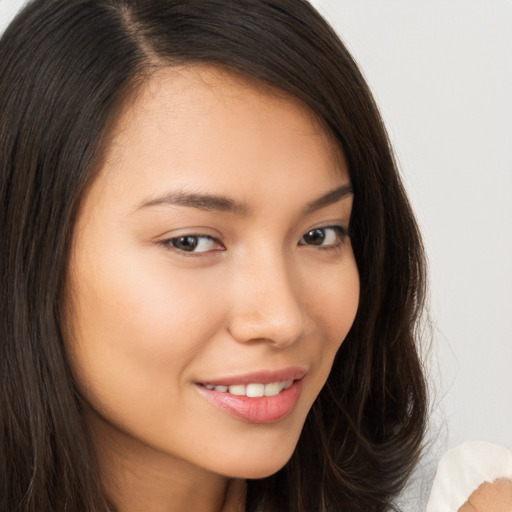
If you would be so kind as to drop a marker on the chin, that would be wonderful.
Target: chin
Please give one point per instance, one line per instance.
(262, 465)
(256, 473)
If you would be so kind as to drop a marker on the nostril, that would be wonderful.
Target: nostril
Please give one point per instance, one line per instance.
(277, 329)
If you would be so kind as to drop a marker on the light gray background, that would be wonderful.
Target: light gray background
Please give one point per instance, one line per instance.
(442, 74)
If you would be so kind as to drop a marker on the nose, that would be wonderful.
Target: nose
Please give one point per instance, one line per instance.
(266, 303)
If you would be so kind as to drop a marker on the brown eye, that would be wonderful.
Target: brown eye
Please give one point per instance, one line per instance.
(193, 243)
(314, 237)
(325, 237)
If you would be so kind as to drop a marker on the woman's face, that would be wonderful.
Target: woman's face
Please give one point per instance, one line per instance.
(211, 280)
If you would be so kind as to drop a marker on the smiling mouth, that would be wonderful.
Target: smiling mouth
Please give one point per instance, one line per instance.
(258, 397)
(252, 390)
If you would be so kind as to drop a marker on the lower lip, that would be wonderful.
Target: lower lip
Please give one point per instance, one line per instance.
(265, 409)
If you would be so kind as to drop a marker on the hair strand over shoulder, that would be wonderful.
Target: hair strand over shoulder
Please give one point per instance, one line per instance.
(65, 70)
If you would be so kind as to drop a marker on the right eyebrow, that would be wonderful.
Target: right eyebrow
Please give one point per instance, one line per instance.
(207, 202)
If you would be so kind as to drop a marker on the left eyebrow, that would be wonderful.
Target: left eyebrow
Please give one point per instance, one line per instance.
(330, 198)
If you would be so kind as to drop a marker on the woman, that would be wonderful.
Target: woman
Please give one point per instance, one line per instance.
(212, 277)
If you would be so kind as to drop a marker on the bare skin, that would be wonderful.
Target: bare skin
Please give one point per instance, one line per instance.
(211, 247)
(490, 497)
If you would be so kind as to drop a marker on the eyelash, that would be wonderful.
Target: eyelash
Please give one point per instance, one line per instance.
(341, 234)
(170, 243)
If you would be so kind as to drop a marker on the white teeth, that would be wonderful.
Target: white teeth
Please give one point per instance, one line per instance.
(253, 390)
(237, 389)
(274, 388)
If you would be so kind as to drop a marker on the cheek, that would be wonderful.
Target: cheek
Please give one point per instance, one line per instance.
(129, 293)
(333, 305)
(334, 302)
(135, 324)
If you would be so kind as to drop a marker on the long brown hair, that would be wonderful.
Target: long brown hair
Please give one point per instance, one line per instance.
(65, 68)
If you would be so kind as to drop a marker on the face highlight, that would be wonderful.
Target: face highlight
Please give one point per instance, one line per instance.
(211, 279)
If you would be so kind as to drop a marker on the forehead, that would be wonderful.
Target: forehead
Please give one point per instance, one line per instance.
(202, 129)
(197, 95)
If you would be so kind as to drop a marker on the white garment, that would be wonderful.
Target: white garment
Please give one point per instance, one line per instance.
(463, 469)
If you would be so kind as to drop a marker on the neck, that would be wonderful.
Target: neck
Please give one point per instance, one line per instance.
(138, 477)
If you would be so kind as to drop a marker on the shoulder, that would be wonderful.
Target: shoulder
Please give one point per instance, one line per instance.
(463, 470)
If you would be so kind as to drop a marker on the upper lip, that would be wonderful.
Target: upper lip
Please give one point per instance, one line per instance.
(261, 377)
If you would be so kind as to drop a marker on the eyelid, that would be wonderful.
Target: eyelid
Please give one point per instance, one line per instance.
(168, 244)
(337, 225)
(341, 230)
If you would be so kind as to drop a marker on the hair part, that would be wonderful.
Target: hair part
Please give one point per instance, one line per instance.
(66, 69)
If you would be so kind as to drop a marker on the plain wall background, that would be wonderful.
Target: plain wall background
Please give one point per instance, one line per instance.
(441, 72)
